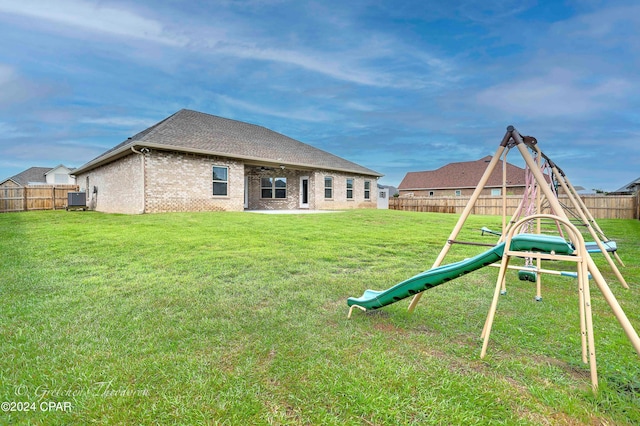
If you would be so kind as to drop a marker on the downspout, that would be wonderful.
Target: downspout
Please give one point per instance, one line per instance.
(144, 176)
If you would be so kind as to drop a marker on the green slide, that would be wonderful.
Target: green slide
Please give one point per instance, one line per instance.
(372, 299)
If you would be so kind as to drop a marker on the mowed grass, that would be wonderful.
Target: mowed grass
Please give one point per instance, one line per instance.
(239, 318)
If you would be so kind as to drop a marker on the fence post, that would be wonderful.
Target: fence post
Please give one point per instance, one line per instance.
(25, 197)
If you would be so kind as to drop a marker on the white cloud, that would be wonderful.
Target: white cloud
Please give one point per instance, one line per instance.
(491, 11)
(7, 74)
(16, 89)
(235, 37)
(8, 131)
(93, 17)
(557, 93)
(304, 114)
(332, 65)
(130, 122)
(604, 23)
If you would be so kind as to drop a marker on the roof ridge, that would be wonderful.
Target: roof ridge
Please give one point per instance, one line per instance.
(141, 135)
(204, 133)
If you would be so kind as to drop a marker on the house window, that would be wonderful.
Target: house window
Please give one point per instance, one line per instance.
(349, 189)
(496, 192)
(274, 187)
(220, 181)
(431, 193)
(458, 192)
(328, 187)
(367, 189)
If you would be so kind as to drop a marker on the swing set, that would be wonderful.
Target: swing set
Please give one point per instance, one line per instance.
(522, 237)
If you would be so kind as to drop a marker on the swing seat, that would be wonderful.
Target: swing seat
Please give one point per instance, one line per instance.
(527, 276)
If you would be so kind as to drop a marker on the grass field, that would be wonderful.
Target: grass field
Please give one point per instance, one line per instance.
(238, 318)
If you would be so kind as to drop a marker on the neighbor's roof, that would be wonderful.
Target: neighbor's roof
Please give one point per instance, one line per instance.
(31, 175)
(465, 174)
(196, 132)
(632, 186)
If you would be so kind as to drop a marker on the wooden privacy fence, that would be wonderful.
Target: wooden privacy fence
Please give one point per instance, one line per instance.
(600, 206)
(35, 197)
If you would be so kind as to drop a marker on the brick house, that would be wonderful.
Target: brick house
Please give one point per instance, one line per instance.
(193, 161)
(460, 179)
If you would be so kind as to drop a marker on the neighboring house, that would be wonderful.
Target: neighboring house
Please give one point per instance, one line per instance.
(193, 161)
(59, 175)
(629, 189)
(461, 179)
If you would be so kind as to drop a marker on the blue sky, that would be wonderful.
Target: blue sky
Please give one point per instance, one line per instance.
(393, 85)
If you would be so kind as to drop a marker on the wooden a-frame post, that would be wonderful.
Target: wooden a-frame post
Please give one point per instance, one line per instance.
(466, 212)
(591, 266)
(513, 138)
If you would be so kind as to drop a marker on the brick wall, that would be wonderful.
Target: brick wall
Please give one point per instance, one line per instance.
(179, 182)
(339, 200)
(118, 186)
(256, 202)
(162, 181)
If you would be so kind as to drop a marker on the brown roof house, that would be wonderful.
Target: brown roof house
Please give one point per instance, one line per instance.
(461, 179)
(193, 161)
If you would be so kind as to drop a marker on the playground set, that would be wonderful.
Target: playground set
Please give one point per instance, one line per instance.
(527, 236)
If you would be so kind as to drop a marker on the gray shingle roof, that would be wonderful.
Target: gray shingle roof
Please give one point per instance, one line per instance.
(629, 188)
(31, 175)
(193, 131)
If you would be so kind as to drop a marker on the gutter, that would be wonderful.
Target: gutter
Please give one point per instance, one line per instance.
(163, 147)
(142, 153)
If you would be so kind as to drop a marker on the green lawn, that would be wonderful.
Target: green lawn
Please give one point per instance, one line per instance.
(239, 318)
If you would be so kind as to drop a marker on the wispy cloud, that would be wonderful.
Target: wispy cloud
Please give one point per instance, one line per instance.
(375, 60)
(492, 11)
(8, 131)
(606, 25)
(318, 62)
(95, 17)
(394, 83)
(129, 122)
(559, 93)
(15, 89)
(309, 114)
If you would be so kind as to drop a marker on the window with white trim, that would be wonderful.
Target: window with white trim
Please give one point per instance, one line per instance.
(349, 189)
(431, 193)
(496, 192)
(220, 181)
(367, 190)
(328, 187)
(458, 192)
(273, 187)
